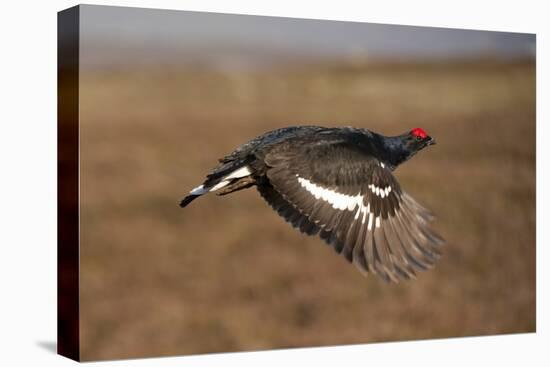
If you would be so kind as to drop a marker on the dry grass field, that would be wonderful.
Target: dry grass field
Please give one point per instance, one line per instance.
(228, 274)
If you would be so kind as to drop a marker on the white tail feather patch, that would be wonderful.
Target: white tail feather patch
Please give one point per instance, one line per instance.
(199, 190)
(239, 173)
(219, 185)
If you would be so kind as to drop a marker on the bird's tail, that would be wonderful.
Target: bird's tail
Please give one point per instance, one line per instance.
(233, 179)
(186, 200)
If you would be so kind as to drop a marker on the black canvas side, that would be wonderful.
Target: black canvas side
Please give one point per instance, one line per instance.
(68, 340)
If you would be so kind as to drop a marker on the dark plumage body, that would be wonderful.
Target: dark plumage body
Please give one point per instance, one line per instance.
(338, 183)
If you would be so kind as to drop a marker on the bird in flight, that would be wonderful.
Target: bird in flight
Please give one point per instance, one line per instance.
(338, 183)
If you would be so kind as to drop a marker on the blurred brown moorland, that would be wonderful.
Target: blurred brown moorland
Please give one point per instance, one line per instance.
(228, 274)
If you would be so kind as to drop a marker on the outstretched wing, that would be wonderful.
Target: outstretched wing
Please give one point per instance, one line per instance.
(355, 204)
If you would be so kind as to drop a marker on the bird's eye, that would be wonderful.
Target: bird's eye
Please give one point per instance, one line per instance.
(418, 138)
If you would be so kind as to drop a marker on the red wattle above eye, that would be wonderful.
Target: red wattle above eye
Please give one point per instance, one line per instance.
(419, 133)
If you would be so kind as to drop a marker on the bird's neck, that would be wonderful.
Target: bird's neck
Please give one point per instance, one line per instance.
(394, 151)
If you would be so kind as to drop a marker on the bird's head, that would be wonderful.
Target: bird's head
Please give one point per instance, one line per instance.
(403, 147)
(416, 140)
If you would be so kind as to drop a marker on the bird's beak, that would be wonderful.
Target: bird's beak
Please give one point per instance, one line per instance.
(431, 141)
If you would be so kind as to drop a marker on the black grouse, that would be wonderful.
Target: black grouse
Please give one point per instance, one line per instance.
(338, 183)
